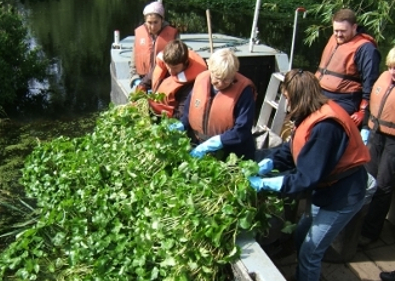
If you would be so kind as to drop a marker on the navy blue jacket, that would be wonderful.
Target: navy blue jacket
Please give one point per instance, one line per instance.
(316, 160)
(238, 139)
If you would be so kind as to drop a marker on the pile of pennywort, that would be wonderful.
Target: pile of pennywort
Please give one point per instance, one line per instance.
(128, 202)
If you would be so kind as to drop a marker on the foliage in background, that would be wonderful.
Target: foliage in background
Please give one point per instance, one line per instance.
(237, 7)
(374, 15)
(18, 61)
(128, 202)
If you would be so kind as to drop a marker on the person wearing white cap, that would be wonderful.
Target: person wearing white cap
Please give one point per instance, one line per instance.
(150, 39)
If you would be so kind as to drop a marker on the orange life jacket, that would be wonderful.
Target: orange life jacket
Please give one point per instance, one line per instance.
(356, 153)
(382, 105)
(171, 84)
(337, 71)
(209, 117)
(145, 48)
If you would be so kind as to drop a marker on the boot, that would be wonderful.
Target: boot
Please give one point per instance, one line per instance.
(387, 276)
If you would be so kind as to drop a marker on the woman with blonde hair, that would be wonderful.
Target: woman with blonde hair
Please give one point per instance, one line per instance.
(219, 111)
(326, 155)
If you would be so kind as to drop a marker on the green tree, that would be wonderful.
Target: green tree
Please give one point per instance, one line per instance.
(18, 61)
(374, 15)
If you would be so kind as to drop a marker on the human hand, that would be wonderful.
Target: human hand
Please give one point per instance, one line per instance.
(141, 88)
(176, 126)
(212, 144)
(265, 166)
(358, 116)
(365, 135)
(270, 184)
(256, 183)
(135, 81)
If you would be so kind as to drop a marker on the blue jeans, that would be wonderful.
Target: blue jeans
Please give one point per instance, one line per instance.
(315, 234)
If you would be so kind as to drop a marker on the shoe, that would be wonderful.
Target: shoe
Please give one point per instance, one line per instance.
(387, 276)
(364, 241)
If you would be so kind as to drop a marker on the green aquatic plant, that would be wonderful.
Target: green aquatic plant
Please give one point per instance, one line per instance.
(128, 202)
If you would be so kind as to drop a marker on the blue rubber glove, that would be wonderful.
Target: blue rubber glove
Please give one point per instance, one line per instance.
(365, 135)
(265, 166)
(176, 126)
(270, 184)
(212, 144)
(135, 82)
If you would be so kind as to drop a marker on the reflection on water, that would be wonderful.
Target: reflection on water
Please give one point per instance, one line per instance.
(76, 36)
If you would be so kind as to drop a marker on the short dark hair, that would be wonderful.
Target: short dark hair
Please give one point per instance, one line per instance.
(175, 52)
(345, 15)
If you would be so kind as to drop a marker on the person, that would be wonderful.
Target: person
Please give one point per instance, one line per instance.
(150, 39)
(325, 159)
(219, 111)
(381, 143)
(174, 73)
(349, 66)
(387, 276)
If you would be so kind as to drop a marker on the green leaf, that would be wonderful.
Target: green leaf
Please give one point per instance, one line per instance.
(169, 261)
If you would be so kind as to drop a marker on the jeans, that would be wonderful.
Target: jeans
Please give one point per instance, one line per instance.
(315, 234)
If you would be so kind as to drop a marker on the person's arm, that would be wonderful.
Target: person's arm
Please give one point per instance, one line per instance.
(146, 81)
(367, 59)
(185, 116)
(282, 157)
(181, 97)
(244, 119)
(318, 157)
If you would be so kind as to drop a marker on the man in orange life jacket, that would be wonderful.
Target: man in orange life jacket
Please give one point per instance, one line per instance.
(334, 174)
(349, 66)
(220, 109)
(381, 144)
(174, 74)
(150, 39)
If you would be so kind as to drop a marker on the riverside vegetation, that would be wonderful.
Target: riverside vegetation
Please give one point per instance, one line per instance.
(128, 202)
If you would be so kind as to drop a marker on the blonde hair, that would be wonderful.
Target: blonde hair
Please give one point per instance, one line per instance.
(390, 60)
(223, 64)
